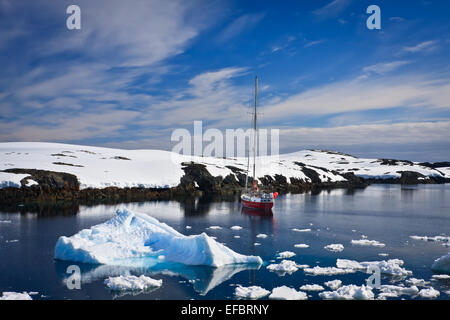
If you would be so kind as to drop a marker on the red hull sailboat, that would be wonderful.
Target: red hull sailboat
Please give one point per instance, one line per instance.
(256, 199)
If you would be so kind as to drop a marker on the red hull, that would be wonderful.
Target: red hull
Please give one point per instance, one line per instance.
(266, 206)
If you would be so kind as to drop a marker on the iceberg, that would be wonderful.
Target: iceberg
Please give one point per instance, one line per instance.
(136, 239)
(442, 265)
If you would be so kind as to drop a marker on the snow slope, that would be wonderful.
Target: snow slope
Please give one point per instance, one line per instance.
(135, 239)
(98, 167)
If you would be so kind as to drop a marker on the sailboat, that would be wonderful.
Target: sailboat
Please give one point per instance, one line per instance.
(254, 198)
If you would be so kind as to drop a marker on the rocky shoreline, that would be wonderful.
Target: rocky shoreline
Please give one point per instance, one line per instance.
(53, 187)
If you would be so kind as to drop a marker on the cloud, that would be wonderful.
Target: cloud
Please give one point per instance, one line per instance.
(313, 43)
(332, 9)
(239, 26)
(385, 67)
(425, 46)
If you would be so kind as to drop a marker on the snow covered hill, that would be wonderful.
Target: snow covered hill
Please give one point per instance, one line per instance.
(97, 167)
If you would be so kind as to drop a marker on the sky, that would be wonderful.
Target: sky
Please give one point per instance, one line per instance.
(139, 69)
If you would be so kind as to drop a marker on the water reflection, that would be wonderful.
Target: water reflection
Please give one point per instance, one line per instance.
(204, 278)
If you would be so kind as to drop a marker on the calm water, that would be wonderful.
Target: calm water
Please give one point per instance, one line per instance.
(387, 213)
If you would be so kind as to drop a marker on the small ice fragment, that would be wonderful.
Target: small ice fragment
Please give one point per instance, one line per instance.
(335, 247)
(312, 287)
(333, 284)
(252, 292)
(15, 296)
(236, 228)
(429, 293)
(285, 255)
(261, 235)
(286, 293)
(365, 242)
(441, 276)
(131, 283)
(301, 245)
(442, 265)
(214, 228)
(327, 271)
(350, 292)
(301, 230)
(188, 227)
(285, 266)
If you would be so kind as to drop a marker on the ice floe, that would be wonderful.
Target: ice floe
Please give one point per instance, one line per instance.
(391, 267)
(312, 287)
(327, 271)
(252, 292)
(286, 293)
(301, 230)
(301, 245)
(350, 292)
(335, 247)
(441, 276)
(391, 291)
(365, 242)
(333, 284)
(261, 235)
(285, 266)
(15, 296)
(429, 293)
(133, 239)
(236, 228)
(214, 228)
(132, 283)
(285, 255)
(417, 282)
(442, 264)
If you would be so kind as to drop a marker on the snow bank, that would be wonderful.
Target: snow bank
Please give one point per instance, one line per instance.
(253, 292)
(442, 264)
(335, 247)
(350, 292)
(132, 283)
(15, 296)
(11, 179)
(286, 293)
(132, 239)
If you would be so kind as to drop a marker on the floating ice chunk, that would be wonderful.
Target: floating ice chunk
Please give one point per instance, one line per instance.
(188, 227)
(286, 293)
(214, 228)
(253, 292)
(383, 254)
(136, 239)
(365, 242)
(256, 244)
(441, 276)
(15, 296)
(5, 221)
(236, 228)
(333, 284)
(301, 230)
(429, 293)
(434, 239)
(350, 292)
(285, 255)
(237, 237)
(390, 267)
(131, 283)
(442, 264)
(327, 271)
(335, 247)
(391, 291)
(301, 245)
(285, 266)
(417, 282)
(261, 235)
(312, 287)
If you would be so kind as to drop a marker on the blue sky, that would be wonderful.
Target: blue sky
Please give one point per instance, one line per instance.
(137, 70)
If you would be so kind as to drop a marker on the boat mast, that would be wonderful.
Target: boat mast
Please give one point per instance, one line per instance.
(254, 128)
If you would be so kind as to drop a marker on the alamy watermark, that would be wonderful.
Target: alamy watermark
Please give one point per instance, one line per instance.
(74, 280)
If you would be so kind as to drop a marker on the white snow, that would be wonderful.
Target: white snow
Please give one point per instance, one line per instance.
(15, 296)
(285, 266)
(286, 293)
(442, 265)
(98, 167)
(11, 179)
(365, 242)
(301, 245)
(391, 267)
(132, 239)
(333, 284)
(429, 293)
(252, 292)
(132, 282)
(350, 292)
(312, 287)
(335, 247)
(285, 255)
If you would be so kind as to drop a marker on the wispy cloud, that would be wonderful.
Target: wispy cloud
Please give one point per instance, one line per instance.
(332, 9)
(425, 46)
(385, 67)
(313, 43)
(240, 25)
